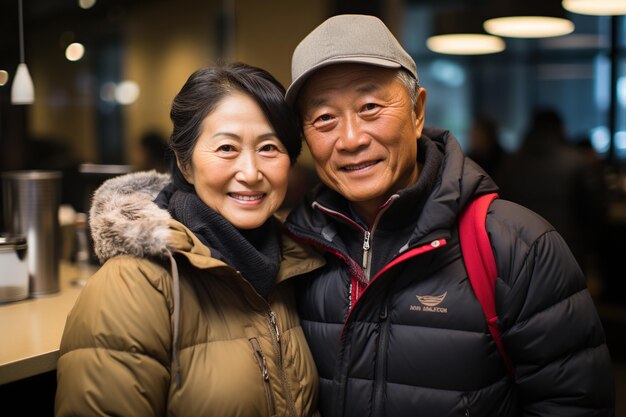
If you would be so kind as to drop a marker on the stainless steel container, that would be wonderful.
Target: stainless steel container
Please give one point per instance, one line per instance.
(31, 202)
(13, 268)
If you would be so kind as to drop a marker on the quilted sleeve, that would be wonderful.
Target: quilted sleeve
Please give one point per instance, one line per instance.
(551, 329)
(115, 350)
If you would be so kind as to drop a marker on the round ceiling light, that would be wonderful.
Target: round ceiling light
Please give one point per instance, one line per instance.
(528, 26)
(596, 7)
(465, 44)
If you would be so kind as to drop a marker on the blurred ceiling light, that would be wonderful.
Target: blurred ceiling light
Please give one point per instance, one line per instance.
(460, 32)
(74, 51)
(86, 4)
(527, 19)
(127, 92)
(4, 77)
(529, 26)
(465, 44)
(596, 7)
(22, 90)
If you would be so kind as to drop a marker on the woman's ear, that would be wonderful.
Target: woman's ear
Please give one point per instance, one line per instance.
(186, 171)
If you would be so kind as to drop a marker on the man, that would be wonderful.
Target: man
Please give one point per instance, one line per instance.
(392, 320)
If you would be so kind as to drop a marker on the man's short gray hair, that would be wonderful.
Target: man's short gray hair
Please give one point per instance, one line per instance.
(410, 83)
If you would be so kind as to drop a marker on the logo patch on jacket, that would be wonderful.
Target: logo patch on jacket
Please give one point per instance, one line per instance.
(430, 303)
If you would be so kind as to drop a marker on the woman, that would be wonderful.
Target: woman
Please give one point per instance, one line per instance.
(193, 314)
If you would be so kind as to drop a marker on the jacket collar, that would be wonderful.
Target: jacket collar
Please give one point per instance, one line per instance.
(297, 259)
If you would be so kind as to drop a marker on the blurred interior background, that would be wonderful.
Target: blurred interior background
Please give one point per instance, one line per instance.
(105, 72)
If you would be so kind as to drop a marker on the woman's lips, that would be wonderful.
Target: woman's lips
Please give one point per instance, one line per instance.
(247, 197)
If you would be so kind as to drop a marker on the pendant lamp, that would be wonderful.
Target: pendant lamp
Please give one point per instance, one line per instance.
(527, 19)
(461, 33)
(596, 7)
(22, 90)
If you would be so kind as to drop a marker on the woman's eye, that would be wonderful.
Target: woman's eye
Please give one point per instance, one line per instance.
(269, 148)
(226, 148)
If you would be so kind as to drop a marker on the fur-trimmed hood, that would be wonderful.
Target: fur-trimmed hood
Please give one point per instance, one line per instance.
(125, 220)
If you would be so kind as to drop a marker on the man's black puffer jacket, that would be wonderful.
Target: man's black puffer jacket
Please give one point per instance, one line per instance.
(416, 342)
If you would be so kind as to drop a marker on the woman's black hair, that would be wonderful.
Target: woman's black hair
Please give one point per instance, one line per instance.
(202, 93)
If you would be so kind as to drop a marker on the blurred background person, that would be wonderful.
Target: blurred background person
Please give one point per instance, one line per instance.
(154, 153)
(484, 144)
(558, 181)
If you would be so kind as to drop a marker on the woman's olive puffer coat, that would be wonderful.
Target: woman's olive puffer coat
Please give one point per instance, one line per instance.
(165, 329)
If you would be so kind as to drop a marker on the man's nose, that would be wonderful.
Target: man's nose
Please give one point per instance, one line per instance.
(352, 137)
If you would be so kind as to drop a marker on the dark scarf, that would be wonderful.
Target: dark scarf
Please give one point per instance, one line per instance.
(255, 253)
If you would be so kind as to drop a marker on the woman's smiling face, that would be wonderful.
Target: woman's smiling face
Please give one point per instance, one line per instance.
(239, 167)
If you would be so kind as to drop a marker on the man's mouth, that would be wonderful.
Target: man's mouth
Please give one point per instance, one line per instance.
(359, 166)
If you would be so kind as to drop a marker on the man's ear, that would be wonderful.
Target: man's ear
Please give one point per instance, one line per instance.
(185, 171)
(420, 105)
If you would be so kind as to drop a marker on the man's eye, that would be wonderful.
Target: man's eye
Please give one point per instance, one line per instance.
(325, 118)
(370, 106)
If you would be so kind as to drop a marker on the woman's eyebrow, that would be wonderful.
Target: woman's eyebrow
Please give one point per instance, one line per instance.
(268, 135)
(229, 134)
(263, 136)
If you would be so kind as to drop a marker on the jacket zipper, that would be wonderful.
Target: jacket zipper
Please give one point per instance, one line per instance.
(273, 325)
(377, 403)
(366, 263)
(260, 357)
(367, 246)
(466, 405)
(275, 336)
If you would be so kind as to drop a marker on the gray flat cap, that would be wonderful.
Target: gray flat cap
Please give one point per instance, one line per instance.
(348, 38)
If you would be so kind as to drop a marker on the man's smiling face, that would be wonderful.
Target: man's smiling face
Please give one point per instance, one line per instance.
(362, 129)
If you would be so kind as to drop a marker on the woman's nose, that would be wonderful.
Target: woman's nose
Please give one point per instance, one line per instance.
(247, 169)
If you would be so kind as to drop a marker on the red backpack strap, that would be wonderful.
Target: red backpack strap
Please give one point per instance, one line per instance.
(481, 264)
